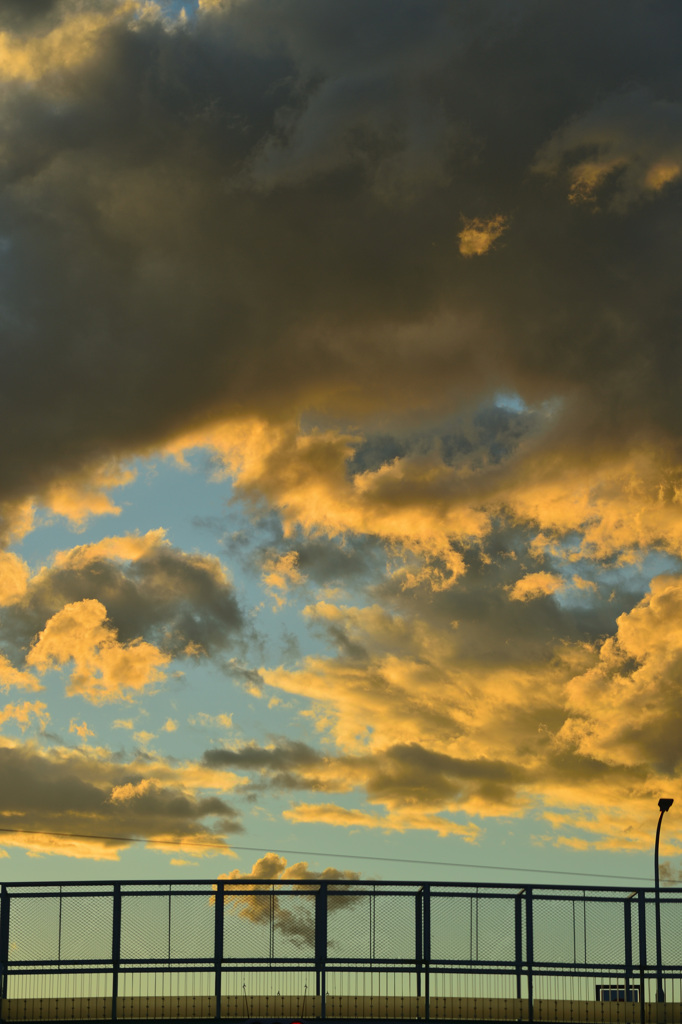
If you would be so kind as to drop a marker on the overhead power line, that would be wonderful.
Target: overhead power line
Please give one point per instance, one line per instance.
(320, 853)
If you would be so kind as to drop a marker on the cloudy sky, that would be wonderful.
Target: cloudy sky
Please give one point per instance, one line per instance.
(341, 464)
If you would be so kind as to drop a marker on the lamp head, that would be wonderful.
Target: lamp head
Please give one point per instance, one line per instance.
(665, 804)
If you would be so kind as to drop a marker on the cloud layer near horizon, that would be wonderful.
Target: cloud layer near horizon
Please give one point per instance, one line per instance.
(406, 275)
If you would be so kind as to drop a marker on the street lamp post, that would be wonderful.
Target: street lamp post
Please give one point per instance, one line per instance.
(664, 805)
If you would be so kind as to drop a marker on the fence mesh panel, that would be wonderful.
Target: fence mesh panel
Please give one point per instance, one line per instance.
(192, 927)
(496, 929)
(605, 932)
(248, 925)
(349, 925)
(394, 926)
(145, 927)
(559, 931)
(34, 928)
(294, 925)
(86, 928)
(671, 932)
(453, 927)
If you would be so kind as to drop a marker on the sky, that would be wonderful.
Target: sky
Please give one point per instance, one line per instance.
(341, 474)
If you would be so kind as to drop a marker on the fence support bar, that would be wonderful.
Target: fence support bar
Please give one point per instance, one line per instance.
(427, 952)
(419, 937)
(627, 924)
(115, 949)
(518, 941)
(4, 943)
(641, 927)
(321, 911)
(218, 952)
(529, 950)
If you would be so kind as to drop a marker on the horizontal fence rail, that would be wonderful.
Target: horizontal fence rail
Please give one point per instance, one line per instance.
(241, 949)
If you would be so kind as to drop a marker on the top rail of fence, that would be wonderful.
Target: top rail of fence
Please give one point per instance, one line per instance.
(501, 888)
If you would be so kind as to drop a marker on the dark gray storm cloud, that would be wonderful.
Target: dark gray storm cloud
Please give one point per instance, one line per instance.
(81, 793)
(287, 754)
(411, 773)
(18, 14)
(493, 432)
(259, 212)
(287, 765)
(406, 773)
(180, 602)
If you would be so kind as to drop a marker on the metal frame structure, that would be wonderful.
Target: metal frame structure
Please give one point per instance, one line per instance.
(449, 951)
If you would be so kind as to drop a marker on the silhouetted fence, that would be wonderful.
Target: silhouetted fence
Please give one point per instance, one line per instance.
(241, 949)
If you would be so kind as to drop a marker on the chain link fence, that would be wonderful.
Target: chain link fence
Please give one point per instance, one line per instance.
(245, 949)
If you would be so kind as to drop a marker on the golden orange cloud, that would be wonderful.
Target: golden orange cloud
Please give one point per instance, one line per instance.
(14, 576)
(77, 496)
(281, 572)
(71, 42)
(478, 236)
(129, 547)
(626, 708)
(130, 790)
(104, 669)
(11, 676)
(81, 496)
(250, 905)
(25, 714)
(411, 684)
(535, 584)
(399, 820)
(409, 502)
(424, 508)
(632, 142)
(592, 730)
(81, 730)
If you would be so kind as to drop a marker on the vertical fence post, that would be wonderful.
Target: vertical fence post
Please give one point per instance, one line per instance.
(115, 950)
(641, 923)
(218, 951)
(4, 945)
(419, 939)
(529, 949)
(518, 941)
(427, 951)
(321, 946)
(627, 934)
